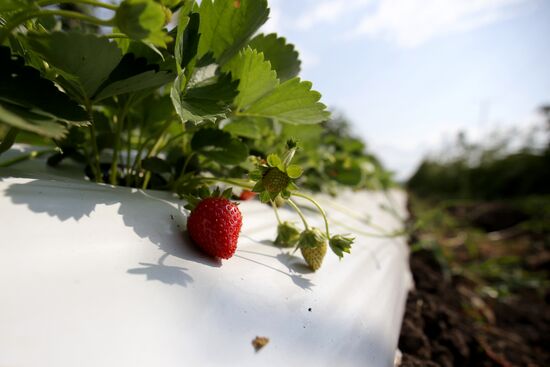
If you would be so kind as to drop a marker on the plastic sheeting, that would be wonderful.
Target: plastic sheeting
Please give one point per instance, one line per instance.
(94, 275)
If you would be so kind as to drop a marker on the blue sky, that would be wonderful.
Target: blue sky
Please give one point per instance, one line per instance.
(410, 74)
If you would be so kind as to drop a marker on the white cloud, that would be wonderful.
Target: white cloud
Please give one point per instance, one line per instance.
(410, 23)
(330, 11)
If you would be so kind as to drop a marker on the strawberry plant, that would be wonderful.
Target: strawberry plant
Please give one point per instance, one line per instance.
(173, 95)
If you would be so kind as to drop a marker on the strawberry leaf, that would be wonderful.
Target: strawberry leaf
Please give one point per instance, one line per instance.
(208, 100)
(219, 146)
(246, 128)
(226, 26)
(84, 60)
(282, 56)
(24, 86)
(255, 76)
(142, 20)
(292, 102)
(24, 119)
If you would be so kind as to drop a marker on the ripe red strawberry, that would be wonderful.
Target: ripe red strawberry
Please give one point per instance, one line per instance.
(214, 225)
(247, 195)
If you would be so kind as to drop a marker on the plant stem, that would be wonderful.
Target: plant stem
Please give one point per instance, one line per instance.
(318, 208)
(19, 19)
(96, 168)
(229, 181)
(186, 163)
(292, 204)
(276, 212)
(114, 35)
(129, 153)
(98, 4)
(118, 133)
(356, 215)
(26, 156)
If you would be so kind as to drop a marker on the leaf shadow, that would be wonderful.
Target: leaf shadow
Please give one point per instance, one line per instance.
(149, 214)
(164, 273)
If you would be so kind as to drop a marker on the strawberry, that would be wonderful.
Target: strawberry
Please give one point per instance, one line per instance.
(275, 180)
(214, 225)
(313, 246)
(287, 235)
(247, 195)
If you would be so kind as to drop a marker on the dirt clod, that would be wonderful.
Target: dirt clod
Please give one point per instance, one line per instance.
(259, 342)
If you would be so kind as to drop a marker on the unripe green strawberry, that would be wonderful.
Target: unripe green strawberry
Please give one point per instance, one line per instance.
(275, 180)
(287, 235)
(313, 246)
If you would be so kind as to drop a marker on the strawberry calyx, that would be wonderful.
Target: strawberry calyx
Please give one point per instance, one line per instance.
(311, 238)
(287, 234)
(340, 243)
(204, 192)
(275, 175)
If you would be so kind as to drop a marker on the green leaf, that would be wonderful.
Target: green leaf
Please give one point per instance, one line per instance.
(149, 79)
(346, 173)
(255, 175)
(187, 36)
(292, 102)
(22, 85)
(282, 56)
(246, 128)
(84, 60)
(294, 171)
(142, 20)
(264, 196)
(219, 146)
(208, 100)
(227, 25)
(273, 160)
(156, 165)
(254, 74)
(24, 119)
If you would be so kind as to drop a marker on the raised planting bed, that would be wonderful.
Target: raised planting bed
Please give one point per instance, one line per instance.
(97, 275)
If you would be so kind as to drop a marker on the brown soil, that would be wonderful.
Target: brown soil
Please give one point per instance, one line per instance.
(447, 323)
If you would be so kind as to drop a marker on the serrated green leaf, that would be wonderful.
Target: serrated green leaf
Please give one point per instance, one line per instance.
(243, 127)
(149, 79)
(142, 20)
(294, 171)
(152, 113)
(255, 76)
(208, 100)
(292, 102)
(282, 56)
(24, 119)
(84, 60)
(187, 37)
(219, 146)
(23, 85)
(273, 160)
(227, 25)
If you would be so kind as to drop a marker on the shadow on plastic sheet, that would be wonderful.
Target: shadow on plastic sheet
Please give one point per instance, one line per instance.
(296, 268)
(150, 217)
